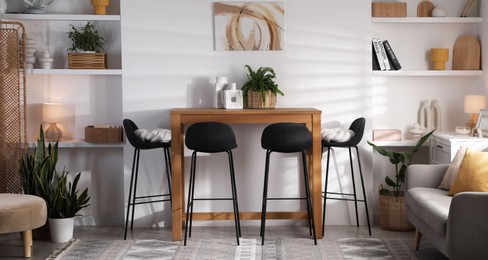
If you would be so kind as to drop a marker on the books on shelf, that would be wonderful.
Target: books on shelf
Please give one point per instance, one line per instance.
(383, 56)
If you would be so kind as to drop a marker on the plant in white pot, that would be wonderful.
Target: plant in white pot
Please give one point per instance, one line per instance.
(392, 205)
(86, 48)
(63, 203)
(260, 90)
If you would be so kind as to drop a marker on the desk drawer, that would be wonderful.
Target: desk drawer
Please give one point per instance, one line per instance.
(439, 153)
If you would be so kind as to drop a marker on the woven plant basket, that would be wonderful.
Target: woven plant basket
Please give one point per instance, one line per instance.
(87, 60)
(393, 213)
(254, 100)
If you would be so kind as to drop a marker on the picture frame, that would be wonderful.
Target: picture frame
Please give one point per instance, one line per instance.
(482, 124)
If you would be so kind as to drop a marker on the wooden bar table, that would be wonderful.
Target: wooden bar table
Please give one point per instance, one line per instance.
(185, 116)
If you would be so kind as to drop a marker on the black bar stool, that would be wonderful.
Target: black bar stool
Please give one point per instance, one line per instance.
(287, 138)
(138, 144)
(210, 137)
(358, 127)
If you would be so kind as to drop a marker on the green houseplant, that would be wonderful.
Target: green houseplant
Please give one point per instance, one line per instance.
(260, 90)
(86, 48)
(85, 39)
(39, 177)
(400, 160)
(392, 205)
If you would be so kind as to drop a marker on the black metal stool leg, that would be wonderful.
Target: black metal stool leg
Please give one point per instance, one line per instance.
(190, 194)
(234, 195)
(364, 191)
(265, 196)
(193, 194)
(325, 188)
(130, 194)
(167, 159)
(235, 191)
(309, 198)
(135, 190)
(354, 188)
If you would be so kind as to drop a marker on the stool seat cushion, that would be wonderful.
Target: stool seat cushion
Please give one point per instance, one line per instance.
(210, 137)
(286, 137)
(21, 212)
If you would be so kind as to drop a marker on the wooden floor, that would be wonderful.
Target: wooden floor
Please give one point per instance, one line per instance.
(11, 244)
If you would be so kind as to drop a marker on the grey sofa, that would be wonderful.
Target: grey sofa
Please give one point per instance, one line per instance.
(458, 225)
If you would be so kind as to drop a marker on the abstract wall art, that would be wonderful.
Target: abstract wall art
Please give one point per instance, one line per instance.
(249, 26)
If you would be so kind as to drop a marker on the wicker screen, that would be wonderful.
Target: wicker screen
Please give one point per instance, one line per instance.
(12, 104)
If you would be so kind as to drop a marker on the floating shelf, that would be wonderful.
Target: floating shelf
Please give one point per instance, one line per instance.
(61, 17)
(74, 72)
(427, 20)
(427, 73)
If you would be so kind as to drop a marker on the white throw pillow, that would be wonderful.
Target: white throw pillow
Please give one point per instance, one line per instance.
(452, 170)
(142, 134)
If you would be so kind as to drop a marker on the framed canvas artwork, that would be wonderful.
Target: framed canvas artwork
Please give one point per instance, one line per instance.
(249, 26)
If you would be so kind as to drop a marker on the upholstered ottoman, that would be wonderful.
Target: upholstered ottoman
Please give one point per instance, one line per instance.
(22, 213)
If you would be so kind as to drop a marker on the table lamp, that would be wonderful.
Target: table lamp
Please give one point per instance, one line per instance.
(472, 105)
(52, 114)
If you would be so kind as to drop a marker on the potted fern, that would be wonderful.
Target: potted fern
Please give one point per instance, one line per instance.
(260, 90)
(86, 48)
(392, 205)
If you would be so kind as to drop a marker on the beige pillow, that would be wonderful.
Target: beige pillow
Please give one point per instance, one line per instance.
(472, 174)
(452, 170)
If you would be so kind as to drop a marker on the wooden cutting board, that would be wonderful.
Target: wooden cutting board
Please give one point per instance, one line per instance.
(424, 9)
(466, 53)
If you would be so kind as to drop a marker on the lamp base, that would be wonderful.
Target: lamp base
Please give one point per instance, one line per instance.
(53, 133)
(472, 121)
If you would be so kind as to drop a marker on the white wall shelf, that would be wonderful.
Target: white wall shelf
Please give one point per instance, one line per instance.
(77, 143)
(75, 72)
(61, 17)
(427, 73)
(427, 20)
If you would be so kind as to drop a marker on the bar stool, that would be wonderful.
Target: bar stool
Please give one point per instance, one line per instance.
(358, 127)
(138, 144)
(287, 138)
(210, 137)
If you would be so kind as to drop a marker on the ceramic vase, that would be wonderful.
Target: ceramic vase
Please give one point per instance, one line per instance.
(424, 115)
(61, 229)
(45, 60)
(30, 51)
(438, 57)
(100, 6)
(3, 6)
(436, 115)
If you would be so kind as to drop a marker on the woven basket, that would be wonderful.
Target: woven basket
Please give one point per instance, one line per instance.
(254, 100)
(393, 214)
(87, 61)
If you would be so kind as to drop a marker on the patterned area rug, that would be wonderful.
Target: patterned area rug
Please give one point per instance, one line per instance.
(250, 249)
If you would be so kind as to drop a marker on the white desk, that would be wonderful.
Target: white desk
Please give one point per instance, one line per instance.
(444, 145)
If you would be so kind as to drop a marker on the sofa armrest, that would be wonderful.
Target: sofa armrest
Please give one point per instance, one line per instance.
(424, 175)
(467, 226)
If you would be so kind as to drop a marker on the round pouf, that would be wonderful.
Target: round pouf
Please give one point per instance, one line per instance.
(22, 213)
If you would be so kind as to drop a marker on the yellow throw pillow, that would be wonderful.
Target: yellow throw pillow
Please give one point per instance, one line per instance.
(472, 174)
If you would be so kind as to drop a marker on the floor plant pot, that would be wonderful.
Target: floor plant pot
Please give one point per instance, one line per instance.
(61, 229)
(255, 100)
(393, 214)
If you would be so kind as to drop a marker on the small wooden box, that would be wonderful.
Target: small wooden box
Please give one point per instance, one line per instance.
(87, 60)
(111, 134)
(389, 9)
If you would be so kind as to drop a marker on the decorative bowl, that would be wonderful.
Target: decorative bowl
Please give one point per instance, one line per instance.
(35, 6)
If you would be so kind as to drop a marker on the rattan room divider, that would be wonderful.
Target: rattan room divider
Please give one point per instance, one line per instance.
(13, 136)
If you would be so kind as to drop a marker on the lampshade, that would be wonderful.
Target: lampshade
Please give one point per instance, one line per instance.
(473, 103)
(52, 112)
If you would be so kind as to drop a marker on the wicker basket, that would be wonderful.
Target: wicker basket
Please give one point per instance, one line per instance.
(87, 60)
(254, 100)
(393, 215)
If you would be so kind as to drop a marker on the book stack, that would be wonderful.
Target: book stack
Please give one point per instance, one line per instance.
(383, 56)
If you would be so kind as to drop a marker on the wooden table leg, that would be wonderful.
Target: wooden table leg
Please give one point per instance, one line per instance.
(177, 176)
(316, 172)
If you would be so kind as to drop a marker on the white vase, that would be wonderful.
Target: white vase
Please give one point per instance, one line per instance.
(61, 229)
(436, 115)
(3, 6)
(425, 115)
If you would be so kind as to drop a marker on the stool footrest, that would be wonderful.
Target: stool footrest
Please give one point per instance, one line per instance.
(286, 198)
(212, 199)
(348, 199)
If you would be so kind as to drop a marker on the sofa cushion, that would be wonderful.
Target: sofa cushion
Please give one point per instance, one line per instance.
(431, 205)
(473, 173)
(452, 170)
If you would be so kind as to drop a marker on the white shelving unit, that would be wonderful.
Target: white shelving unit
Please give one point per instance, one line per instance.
(75, 72)
(478, 20)
(61, 17)
(428, 73)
